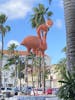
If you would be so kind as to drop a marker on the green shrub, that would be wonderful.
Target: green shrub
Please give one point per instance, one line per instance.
(67, 90)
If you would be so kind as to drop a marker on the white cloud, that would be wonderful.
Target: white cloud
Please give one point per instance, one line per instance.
(58, 23)
(16, 8)
(11, 42)
(61, 3)
(0, 45)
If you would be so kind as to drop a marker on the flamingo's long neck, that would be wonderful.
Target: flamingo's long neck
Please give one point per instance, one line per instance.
(43, 43)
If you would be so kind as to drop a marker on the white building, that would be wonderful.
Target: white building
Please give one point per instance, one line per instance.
(7, 79)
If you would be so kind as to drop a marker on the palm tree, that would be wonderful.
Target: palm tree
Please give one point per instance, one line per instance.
(37, 63)
(39, 16)
(3, 31)
(32, 57)
(14, 56)
(69, 10)
(11, 48)
(19, 66)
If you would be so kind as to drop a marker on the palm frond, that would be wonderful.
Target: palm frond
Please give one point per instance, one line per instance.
(7, 28)
(62, 92)
(67, 91)
(3, 18)
(36, 10)
(40, 13)
(66, 77)
(47, 9)
(49, 13)
(65, 82)
(6, 67)
(41, 7)
(3, 30)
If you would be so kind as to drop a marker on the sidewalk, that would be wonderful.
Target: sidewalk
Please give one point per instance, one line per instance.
(33, 98)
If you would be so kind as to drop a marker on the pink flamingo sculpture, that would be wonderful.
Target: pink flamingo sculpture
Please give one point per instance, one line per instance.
(37, 43)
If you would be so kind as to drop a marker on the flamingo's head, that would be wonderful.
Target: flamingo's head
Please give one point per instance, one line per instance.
(49, 22)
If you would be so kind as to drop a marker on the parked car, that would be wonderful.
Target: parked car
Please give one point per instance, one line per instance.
(37, 91)
(27, 90)
(48, 91)
(8, 91)
(16, 90)
(55, 90)
(40, 91)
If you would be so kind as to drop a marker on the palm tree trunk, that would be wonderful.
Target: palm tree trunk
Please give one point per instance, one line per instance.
(20, 74)
(39, 74)
(1, 62)
(0, 73)
(44, 74)
(32, 75)
(69, 8)
(2, 45)
(26, 70)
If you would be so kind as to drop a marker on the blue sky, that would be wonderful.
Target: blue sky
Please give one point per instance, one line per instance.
(19, 11)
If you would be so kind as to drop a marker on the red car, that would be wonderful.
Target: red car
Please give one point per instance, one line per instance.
(48, 91)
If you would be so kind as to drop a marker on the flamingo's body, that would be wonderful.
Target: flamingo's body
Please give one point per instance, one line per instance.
(35, 44)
